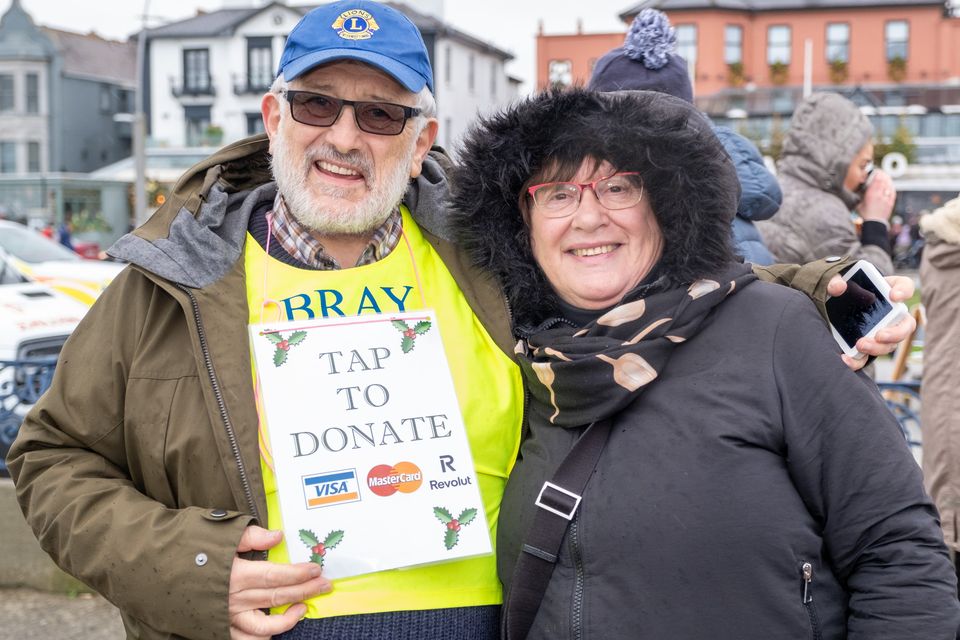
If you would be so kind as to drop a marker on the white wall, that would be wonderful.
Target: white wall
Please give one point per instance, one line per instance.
(459, 103)
(228, 65)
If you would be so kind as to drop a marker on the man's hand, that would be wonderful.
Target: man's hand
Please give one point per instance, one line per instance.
(889, 338)
(261, 585)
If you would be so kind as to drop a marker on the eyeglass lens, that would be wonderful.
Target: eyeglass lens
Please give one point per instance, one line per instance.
(562, 198)
(318, 110)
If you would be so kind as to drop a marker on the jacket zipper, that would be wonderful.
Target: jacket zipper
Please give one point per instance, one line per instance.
(227, 424)
(807, 570)
(578, 583)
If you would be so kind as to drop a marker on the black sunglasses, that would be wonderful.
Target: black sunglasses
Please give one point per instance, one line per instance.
(318, 110)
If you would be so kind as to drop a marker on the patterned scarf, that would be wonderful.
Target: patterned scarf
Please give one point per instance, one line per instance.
(579, 376)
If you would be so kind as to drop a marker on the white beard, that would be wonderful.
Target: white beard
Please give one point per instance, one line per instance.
(345, 218)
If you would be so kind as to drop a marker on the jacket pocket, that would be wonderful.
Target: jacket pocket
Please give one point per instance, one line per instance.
(806, 574)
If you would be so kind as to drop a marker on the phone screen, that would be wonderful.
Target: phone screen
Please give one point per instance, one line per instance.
(858, 310)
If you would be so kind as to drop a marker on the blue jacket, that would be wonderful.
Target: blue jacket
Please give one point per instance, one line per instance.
(760, 195)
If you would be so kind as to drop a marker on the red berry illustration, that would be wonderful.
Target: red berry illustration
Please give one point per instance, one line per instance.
(453, 525)
(319, 550)
(410, 333)
(284, 345)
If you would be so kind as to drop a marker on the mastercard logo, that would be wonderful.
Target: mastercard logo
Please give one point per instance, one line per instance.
(384, 480)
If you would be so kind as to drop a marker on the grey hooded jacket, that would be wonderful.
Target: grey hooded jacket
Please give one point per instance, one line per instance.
(826, 132)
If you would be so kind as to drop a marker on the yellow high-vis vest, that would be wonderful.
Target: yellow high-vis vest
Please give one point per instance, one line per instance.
(489, 393)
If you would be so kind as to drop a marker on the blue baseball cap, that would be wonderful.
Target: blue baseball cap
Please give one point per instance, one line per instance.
(361, 30)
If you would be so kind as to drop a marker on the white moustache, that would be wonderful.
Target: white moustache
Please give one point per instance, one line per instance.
(354, 159)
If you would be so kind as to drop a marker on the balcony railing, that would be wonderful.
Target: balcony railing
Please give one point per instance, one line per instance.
(190, 89)
(251, 86)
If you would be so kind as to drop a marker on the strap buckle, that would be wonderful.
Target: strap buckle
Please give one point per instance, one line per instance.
(558, 500)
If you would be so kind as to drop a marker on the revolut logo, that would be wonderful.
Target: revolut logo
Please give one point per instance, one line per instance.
(385, 480)
(331, 487)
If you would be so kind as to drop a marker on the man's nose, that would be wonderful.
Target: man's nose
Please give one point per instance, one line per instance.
(344, 134)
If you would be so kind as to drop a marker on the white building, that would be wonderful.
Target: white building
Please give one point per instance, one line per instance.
(206, 74)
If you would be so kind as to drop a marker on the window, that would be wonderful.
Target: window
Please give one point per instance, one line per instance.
(838, 42)
(33, 93)
(33, 157)
(254, 123)
(197, 119)
(471, 72)
(6, 92)
(733, 44)
(196, 71)
(778, 44)
(897, 37)
(493, 78)
(259, 64)
(560, 73)
(447, 63)
(687, 46)
(8, 157)
(106, 98)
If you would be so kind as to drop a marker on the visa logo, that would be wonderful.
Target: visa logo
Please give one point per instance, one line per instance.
(331, 487)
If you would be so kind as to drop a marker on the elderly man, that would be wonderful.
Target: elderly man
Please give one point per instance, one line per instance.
(140, 470)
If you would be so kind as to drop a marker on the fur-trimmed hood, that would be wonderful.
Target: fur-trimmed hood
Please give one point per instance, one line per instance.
(690, 179)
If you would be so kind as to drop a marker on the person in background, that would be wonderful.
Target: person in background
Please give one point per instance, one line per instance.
(826, 171)
(647, 61)
(940, 402)
(65, 230)
(745, 485)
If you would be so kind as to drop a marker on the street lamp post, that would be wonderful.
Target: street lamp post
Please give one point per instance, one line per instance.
(139, 129)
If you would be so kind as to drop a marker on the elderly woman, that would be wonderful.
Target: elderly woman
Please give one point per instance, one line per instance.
(699, 462)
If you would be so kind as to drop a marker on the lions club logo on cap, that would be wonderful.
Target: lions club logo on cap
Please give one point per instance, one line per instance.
(355, 24)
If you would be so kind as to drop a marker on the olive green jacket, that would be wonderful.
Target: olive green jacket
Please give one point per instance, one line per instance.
(139, 469)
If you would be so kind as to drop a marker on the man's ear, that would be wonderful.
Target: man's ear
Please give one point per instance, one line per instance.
(270, 110)
(424, 142)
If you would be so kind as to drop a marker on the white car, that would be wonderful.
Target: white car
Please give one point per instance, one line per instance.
(35, 321)
(26, 255)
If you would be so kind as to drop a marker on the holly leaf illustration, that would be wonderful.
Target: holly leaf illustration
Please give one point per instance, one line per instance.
(442, 514)
(450, 539)
(406, 344)
(422, 327)
(399, 325)
(273, 337)
(309, 538)
(316, 558)
(279, 357)
(333, 539)
(467, 516)
(296, 337)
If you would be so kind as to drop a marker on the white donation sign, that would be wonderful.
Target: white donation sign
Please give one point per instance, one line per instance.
(368, 446)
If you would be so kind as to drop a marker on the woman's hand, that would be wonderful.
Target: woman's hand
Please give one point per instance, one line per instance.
(889, 338)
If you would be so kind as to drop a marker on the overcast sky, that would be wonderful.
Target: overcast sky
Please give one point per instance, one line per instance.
(509, 24)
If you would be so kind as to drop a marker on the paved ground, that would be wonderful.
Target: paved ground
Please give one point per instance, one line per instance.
(31, 615)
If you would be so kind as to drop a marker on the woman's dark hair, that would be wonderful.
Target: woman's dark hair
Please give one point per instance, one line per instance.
(689, 178)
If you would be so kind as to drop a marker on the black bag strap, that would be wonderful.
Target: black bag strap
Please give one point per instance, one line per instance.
(557, 504)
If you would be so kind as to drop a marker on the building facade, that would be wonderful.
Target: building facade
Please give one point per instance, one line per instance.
(207, 74)
(751, 61)
(59, 95)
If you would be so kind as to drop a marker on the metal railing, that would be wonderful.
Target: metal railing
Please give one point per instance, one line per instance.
(22, 382)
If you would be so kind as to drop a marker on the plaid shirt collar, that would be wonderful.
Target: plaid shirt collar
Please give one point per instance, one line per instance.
(304, 247)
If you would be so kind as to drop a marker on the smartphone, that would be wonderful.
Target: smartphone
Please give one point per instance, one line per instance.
(863, 309)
